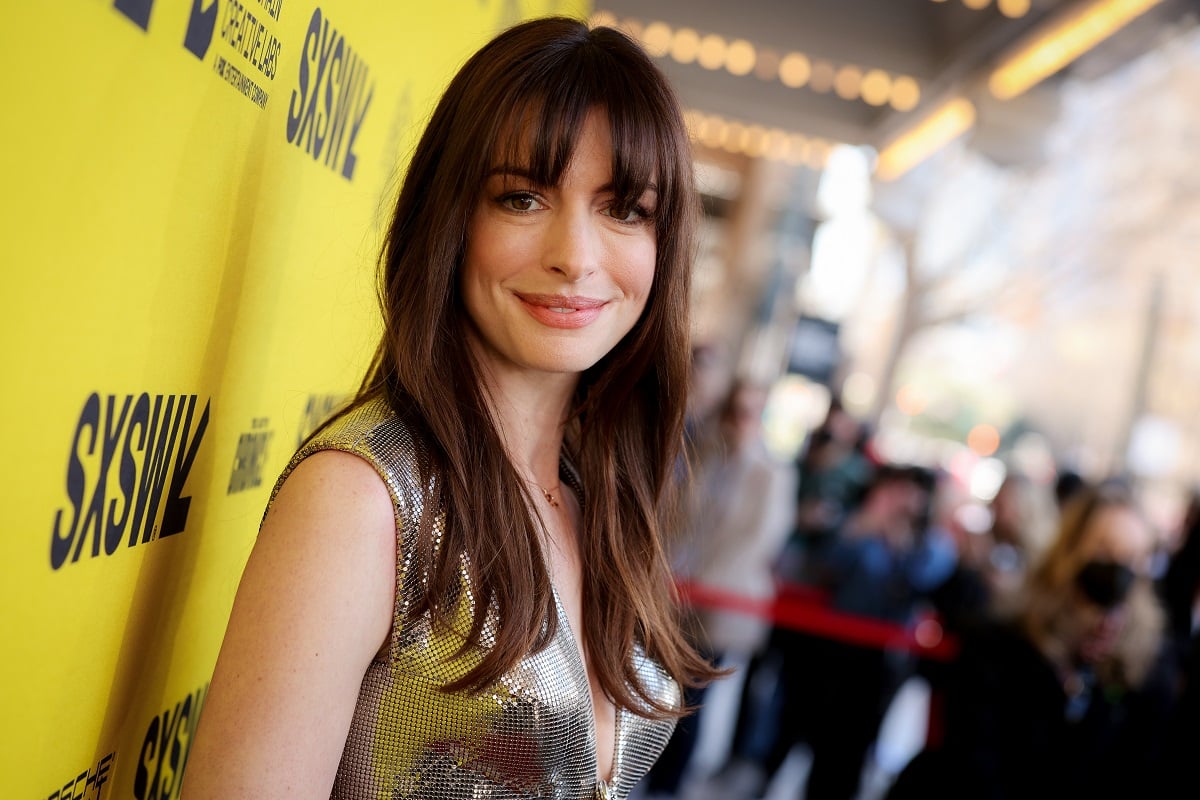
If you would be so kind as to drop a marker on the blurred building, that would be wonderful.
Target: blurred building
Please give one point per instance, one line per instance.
(981, 209)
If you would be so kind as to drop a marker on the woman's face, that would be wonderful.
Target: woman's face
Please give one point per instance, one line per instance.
(555, 276)
(1116, 543)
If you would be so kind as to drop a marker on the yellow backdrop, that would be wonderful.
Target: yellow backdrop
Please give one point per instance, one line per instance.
(194, 194)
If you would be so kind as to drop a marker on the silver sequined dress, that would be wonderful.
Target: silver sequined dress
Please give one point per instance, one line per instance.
(530, 736)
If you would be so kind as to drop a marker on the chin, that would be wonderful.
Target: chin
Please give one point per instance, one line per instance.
(568, 359)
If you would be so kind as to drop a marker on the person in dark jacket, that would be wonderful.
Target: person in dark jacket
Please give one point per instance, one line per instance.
(1071, 695)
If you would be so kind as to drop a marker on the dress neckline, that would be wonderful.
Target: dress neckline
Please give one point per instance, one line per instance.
(570, 476)
(598, 780)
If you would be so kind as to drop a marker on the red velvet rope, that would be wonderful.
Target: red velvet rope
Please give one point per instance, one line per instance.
(804, 609)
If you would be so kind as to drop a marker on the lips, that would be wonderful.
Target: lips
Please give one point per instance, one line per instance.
(561, 311)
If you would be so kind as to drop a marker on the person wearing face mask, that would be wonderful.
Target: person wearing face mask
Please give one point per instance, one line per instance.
(1068, 695)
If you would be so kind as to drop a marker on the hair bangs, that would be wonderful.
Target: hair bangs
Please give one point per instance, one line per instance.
(547, 110)
(639, 159)
(539, 138)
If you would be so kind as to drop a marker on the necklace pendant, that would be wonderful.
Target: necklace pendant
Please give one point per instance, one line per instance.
(549, 498)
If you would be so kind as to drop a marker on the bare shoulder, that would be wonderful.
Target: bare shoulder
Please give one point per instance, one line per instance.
(334, 485)
(314, 606)
(328, 543)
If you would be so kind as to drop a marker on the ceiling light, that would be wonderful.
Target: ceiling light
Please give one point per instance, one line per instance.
(950, 121)
(847, 82)
(777, 144)
(976, 5)
(823, 76)
(685, 45)
(1013, 9)
(1060, 42)
(876, 87)
(712, 131)
(794, 70)
(739, 59)
(733, 138)
(656, 38)
(767, 64)
(712, 52)
(756, 141)
(906, 94)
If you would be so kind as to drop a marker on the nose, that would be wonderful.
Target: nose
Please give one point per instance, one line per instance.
(571, 246)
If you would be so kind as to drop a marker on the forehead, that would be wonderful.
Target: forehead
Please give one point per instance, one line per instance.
(544, 142)
(1117, 533)
(534, 138)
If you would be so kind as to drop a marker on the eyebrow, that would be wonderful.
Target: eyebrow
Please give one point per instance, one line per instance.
(508, 169)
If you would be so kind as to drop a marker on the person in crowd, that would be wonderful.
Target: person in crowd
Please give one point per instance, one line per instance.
(740, 512)
(1067, 482)
(459, 587)
(1023, 519)
(964, 598)
(882, 566)
(994, 548)
(709, 382)
(1180, 591)
(834, 692)
(1069, 695)
(832, 470)
(1180, 584)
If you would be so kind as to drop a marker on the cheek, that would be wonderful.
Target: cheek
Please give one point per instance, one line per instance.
(493, 253)
(635, 264)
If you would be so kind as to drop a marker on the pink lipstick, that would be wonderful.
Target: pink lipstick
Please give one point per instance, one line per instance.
(560, 310)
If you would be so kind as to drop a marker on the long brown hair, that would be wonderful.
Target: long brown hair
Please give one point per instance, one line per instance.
(523, 98)
(1045, 605)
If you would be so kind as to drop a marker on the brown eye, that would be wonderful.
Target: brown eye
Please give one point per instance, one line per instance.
(519, 201)
(633, 215)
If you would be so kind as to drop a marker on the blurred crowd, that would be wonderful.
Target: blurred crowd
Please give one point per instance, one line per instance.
(1067, 625)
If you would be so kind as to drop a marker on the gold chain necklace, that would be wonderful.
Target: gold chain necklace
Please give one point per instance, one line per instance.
(549, 495)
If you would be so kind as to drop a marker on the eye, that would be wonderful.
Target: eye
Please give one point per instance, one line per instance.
(520, 201)
(628, 216)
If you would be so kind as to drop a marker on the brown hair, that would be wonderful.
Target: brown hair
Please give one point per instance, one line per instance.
(1046, 603)
(523, 97)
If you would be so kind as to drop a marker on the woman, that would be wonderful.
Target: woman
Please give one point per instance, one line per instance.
(1069, 697)
(458, 589)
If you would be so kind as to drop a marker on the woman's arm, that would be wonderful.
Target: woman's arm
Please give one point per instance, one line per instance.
(313, 607)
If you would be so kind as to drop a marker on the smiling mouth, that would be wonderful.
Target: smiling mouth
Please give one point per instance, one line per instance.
(562, 311)
(561, 304)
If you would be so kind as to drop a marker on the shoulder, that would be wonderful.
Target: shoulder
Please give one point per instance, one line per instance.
(372, 431)
(369, 446)
(336, 500)
(334, 486)
(331, 520)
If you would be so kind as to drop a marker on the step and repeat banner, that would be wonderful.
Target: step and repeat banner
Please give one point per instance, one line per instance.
(194, 195)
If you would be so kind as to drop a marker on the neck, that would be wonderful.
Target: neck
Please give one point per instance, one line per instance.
(530, 413)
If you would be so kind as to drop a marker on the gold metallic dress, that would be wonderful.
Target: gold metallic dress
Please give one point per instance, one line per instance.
(531, 735)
